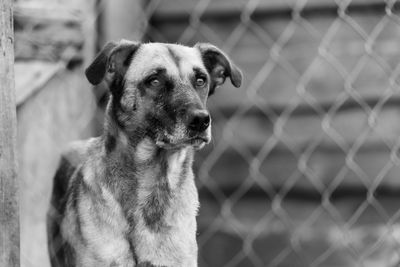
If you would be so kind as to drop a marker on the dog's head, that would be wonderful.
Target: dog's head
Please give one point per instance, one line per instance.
(160, 90)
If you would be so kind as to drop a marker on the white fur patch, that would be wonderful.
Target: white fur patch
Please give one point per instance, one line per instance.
(103, 226)
(145, 150)
(105, 235)
(175, 245)
(123, 139)
(175, 162)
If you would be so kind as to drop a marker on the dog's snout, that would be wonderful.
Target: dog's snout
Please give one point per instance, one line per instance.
(199, 120)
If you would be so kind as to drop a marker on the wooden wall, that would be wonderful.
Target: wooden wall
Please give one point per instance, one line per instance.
(296, 150)
(9, 189)
(55, 104)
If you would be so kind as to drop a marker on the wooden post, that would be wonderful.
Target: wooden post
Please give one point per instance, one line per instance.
(9, 213)
(123, 19)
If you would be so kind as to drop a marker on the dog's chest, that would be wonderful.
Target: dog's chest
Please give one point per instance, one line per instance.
(165, 228)
(157, 226)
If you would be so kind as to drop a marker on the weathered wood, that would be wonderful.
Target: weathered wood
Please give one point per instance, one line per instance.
(63, 110)
(182, 10)
(9, 213)
(33, 76)
(123, 19)
(28, 12)
(55, 104)
(48, 32)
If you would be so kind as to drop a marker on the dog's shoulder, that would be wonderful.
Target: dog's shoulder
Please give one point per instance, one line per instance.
(77, 152)
(73, 157)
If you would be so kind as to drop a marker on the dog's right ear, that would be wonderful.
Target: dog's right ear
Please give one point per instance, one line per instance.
(219, 66)
(113, 59)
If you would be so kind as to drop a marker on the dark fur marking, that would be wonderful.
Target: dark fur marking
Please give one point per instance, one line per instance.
(121, 57)
(117, 90)
(61, 252)
(148, 264)
(169, 85)
(129, 57)
(170, 109)
(156, 123)
(174, 57)
(210, 61)
(132, 249)
(158, 201)
(184, 171)
(110, 143)
(76, 186)
(142, 88)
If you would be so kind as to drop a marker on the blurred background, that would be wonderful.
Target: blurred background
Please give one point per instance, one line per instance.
(304, 168)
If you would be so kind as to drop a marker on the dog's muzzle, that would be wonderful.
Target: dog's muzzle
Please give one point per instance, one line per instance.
(197, 131)
(198, 121)
(198, 124)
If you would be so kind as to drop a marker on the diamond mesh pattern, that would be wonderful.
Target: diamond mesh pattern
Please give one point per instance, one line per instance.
(315, 135)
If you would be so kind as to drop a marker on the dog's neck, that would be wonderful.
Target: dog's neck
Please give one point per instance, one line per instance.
(139, 149)
(154, 174)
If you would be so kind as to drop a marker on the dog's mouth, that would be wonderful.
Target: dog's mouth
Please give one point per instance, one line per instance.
(197, 142)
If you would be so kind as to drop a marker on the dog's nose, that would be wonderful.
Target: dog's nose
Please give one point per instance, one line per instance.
(199, 120)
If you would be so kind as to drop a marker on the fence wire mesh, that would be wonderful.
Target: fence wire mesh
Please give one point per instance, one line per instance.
(346, 241)
(304, 167)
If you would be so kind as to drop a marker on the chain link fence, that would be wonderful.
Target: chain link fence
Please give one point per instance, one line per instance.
(304, 168)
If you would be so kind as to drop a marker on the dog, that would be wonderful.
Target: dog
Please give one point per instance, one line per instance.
(128, 197)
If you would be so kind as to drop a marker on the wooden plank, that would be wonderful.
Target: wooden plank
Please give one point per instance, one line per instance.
(279, 84)
(62, 111)
(32, 76)
(40, 11)
(180, 10)
(306, 225)
(34, 19)
(48, 32)
(123, 19)
(9, 212)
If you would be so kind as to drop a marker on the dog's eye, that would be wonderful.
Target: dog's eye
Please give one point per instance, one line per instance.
(155, 82)
(200, 82)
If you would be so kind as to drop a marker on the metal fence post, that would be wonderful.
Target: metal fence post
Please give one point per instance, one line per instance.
(9, 214)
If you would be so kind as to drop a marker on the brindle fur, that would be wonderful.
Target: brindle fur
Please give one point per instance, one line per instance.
(128, 198)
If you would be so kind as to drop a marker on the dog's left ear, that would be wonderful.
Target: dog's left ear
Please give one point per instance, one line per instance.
(219, 66)
(113, 60)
